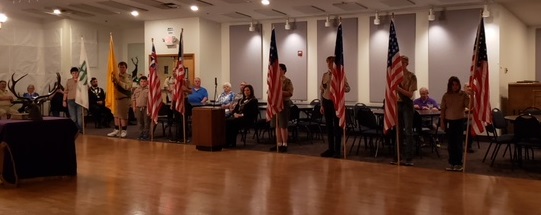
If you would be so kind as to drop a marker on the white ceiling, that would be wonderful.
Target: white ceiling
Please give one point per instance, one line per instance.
(116, 12)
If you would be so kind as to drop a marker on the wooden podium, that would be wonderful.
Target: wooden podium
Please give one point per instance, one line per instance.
(208, 125)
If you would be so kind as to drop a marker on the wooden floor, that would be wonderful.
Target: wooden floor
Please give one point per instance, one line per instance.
(118, 176)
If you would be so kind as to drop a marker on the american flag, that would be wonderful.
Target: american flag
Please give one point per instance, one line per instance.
(274, 82)
(178, 93)
(479, 82)
(394, 78)
(338, 80)
(155, 95)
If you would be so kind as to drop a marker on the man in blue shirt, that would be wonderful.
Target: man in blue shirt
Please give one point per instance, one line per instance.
(199, 94)
(425, 102)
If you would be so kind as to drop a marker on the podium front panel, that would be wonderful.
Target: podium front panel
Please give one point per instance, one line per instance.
(208, 125)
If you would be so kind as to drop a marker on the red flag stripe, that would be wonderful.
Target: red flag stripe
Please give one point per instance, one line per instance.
(180, 73)
(394, 78)
(155, 96)
(275, 102)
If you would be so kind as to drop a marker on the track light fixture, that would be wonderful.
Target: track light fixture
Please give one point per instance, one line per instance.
(3, 18)
(252, 27)
(287, 26)
(327, 22)
(486, 12)
(431, 16)
(376, 19)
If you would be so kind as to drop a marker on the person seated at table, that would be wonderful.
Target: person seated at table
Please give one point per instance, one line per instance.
(244, 115)
(199, 94)
(96, 99)
(30, 94)
(238, 96)
(425, 102)
(6, 108)
(227, 97)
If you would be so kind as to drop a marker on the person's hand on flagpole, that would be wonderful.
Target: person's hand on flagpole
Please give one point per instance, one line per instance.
(468, 89)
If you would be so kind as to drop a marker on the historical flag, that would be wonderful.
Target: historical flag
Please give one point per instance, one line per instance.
(339, 80)
(394, 78)
(180, 73)
(479, 82)
(155, 94)
(81, 97)
(275, 102)
(112, 71)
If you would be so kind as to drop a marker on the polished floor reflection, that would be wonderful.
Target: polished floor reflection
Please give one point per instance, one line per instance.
(118, 176)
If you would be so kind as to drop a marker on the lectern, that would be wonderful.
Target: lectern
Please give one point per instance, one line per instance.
(208, 125)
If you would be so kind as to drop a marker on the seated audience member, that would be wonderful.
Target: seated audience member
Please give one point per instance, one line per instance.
(199, 94)
(5, 101)
(227, 97)
(30, 94)
(238, 96)
(425, 102)
(56, 102)
(244, 115)
(96, 99)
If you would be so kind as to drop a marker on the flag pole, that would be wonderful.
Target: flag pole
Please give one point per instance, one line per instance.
(344, 142)
(83, 119)
(397, 134)
(277, 130)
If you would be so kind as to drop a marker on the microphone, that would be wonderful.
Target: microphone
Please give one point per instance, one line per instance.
(215, 81)
(215, 89)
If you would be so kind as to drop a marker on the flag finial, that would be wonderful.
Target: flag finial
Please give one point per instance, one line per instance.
(152, 39)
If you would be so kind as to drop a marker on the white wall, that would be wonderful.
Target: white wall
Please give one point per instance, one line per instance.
(210, 56)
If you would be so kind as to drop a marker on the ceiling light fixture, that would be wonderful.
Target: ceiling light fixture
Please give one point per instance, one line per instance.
(252, 27)
(194, 8)
(431, 16)
(486, 12)
(3, 18)
(265, 2)
(135, 13)
(327, 22)
(287, 26)
(57, 11)
(376, 19)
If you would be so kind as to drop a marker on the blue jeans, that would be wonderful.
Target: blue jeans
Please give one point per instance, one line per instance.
(405, 119)
(76, 113)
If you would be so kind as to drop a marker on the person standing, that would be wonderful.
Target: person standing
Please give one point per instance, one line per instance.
(122, 83)
(334, 131)
(199, 94)
(96, 100)
(74, 109)
(283, 116)
(56, 102)
(453, 104)
(139, 104)
(405, 112)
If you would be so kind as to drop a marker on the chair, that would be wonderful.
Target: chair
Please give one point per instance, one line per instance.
(527, 136)
(293, 126)
(498, 123)
(163, 118)
(312, 125)
(532, 111)
(421, 130)
(315, 101)
(368, 128)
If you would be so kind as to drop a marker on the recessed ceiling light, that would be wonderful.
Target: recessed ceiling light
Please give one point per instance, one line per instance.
(135, 13)
(194, 8)
(265, 2)
(57, 11)
(3, 17)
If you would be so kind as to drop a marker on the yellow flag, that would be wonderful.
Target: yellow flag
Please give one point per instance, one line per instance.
(112, 69)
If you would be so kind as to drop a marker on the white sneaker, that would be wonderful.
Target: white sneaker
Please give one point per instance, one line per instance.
(123, 133)
(114, 133)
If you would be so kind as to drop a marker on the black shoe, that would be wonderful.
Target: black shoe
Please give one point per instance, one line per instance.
(173, 140)
(282, 149)
(327, 154)
(394, 162)
(273, 149)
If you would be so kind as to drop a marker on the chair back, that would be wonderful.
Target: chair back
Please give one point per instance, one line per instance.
(366, 118)
(294, 113)
(315, 101)
(527, 128)
(498, 119)
(532, 110)
(417, 121)
(316, 112)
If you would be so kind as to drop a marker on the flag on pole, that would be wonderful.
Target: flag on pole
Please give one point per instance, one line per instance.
(81, 97)
(394, 78)
(339, 80)
(274, 96)
(112, 70)
(155, 94)
(180, 72)
(479, 83)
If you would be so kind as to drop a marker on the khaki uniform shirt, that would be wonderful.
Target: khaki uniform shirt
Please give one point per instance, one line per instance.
(124, 81)
(140, 96)
(287, 85)
(71, 89)
(325, 87)
(453, 105)
(409, 83)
